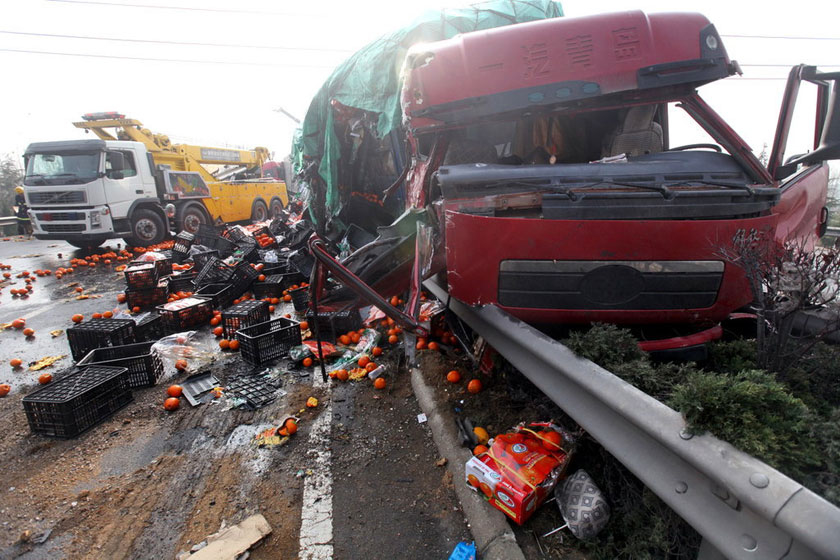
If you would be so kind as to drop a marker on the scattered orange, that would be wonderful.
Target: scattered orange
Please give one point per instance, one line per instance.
(79, 289)
(234, 345)
(215, 320)
(379, 383)
(363, 361)
(180, 365)
(271, 309)
(77, 318)
(479, 449)
(393, 339)
(474, 386)
(395, 301)
(344, 339)
(175, 391)
(304, 325)
(370, 367)
(108, 314)
(342, 375)
(219, 331)
(291, 426)
(355, 337)
(135, 309)
(96, 316)
(15, 362)
(44, 378)
(4, 389)
(421, 344)
(28, 332)
(261, 278)
(224, 344)
(481, 434)
(172, 403)
(19, 323)
(453, 376)
(307, 362)
(377, 351)
(434, 346)
(287, 297)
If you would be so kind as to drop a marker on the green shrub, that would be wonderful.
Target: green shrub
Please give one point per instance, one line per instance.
(732, 356)
(606, 345)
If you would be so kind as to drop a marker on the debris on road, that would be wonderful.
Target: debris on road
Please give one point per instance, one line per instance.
(231, 542)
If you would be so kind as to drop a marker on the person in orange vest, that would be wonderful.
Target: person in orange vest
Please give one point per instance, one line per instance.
(24, 226)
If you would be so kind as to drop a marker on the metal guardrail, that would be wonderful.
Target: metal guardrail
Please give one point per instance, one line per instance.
(7, 221)
(832, 232)
(743, 508)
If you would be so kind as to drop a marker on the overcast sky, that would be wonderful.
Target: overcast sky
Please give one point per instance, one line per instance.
(227, 95)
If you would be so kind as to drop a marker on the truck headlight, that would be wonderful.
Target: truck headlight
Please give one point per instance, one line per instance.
(95, 219)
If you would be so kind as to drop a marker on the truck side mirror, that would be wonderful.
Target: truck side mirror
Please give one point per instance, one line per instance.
(829, 147)
(117, 174)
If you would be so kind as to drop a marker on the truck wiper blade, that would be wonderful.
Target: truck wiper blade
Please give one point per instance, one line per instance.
(666, 193)
(713, 184)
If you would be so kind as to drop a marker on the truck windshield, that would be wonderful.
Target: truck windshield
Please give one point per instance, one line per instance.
(58, 168)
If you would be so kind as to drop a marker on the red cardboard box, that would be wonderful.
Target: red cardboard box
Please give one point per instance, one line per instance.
(520, 468)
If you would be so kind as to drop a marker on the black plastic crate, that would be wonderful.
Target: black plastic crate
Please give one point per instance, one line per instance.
(270, 268)
(246, 253)
(237, 234)
(185, 313)
(242, 278)
(74, 403)
(148, 298)
(300, 298)
(332, 324)
(141, 276)
(150, 328)
(163, 267)
(302, 261)
(98, 333)
(219, 294)
(264, 238)
(268, 341)
(291, 279)
(182, 283)
(201, 258)
(215, 271)
(215, 242)
(181, 248)
(243, 315)
(141, 360)
(271, 287)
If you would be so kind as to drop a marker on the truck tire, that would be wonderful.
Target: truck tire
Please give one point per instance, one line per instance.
(147, 228)
(259, 212)
(276, 207)
(190, 217)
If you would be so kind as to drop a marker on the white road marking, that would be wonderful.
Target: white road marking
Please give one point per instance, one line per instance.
(316, 530)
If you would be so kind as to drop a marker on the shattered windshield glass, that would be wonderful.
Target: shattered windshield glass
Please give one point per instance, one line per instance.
(58, 168)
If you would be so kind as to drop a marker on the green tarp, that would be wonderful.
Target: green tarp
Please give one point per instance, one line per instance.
(370, 78)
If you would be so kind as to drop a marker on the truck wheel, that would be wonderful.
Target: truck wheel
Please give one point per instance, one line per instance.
(190, 218)
(146, 228)
(259, 213)
(276, 207)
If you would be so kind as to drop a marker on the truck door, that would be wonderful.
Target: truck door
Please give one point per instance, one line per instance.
(803, 177)
(123, 183)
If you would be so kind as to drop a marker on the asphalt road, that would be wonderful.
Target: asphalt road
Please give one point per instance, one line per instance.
(360, 479)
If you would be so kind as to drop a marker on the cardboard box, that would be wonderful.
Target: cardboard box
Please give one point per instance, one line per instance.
(520, 469)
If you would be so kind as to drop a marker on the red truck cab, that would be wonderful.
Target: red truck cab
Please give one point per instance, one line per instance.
(543, 149)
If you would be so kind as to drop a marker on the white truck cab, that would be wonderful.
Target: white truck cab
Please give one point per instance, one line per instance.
(83, 191)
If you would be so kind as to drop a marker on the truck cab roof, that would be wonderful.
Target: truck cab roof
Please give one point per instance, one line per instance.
(77, 146)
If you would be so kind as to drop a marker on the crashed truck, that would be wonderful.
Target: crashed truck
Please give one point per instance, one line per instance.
(529, 166)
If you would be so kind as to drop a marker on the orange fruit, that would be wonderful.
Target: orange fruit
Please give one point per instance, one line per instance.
(479, 449)
(355, 337)
(28, 332)
(304, 325)
(421, 344)
(274, 301)
(135, 309)
(433, 346)
(219, 331)
(15, 362)
(551, 440)
(261, 278)
(393, 339)
(4, 389)
(453, 376)
(180, 365)
(77, 318)
(344, 339)
(474, 386)
(395, 301)
(108, 314)
(271, 309)
(172, 403)
(291, 426)
(96, 316)
(287, 297)
(44, 378)
(19, 323)
(370, 367)
(363, 361)
(307, 362)
(342, 375)
(175, 391)
(379, 383)
(121, 298)
(79, 289)
(234, 345)
(215, 320)
(224, 344)
(481, 434)
(377, 351)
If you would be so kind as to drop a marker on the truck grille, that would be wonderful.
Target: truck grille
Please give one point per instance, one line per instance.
(57, 197)
(63, 228)
(606, 285)
(59, 216)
